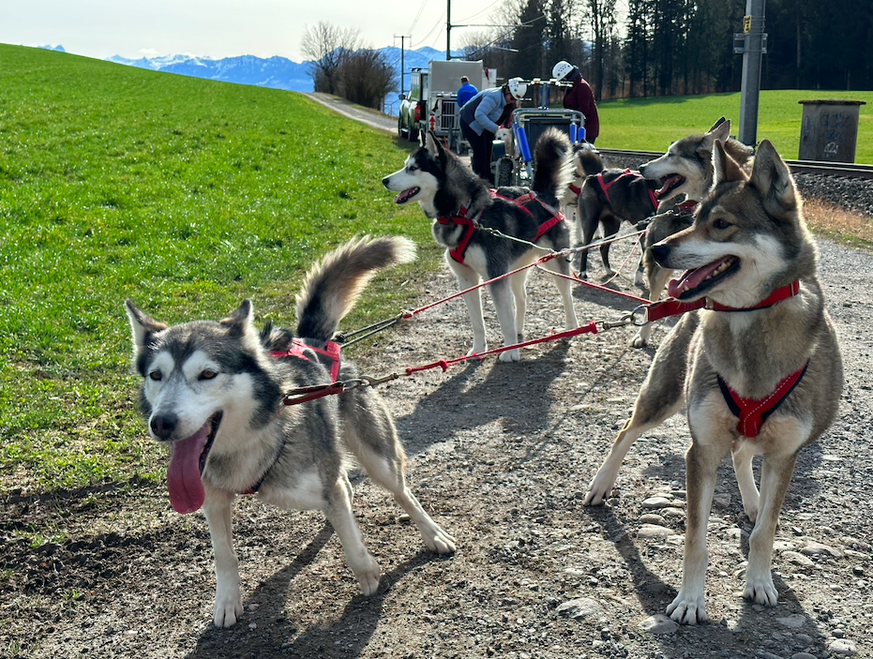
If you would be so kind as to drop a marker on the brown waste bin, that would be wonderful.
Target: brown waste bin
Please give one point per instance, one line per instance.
(829, 130)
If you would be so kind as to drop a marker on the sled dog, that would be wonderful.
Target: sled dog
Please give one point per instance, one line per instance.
(460, 203)
(606, 198)
(685, 170)
(758, 369)
(213, 393)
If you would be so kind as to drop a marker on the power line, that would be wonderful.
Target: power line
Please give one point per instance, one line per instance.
(479, 13)
(417, 16)
(439, 22)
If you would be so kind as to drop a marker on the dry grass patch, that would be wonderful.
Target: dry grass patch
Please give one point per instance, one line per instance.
(835, 222)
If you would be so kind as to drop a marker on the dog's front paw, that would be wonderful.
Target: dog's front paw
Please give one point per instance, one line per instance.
(598, 489)
(639, 341)
(368, 577)
(688, 609)
(228, 609)
(510, 356)
(440, 542)
(640, 279)
(760, 589)
(477, 350)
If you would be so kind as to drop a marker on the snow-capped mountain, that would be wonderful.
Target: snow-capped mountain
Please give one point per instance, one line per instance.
(274, 72)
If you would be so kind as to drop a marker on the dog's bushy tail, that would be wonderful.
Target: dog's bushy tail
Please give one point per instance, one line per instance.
(553, 162)
(332, 286)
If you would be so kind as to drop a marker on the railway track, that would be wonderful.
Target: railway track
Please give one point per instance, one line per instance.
(844, 170)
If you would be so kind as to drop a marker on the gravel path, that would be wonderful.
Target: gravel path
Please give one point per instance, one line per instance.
(500, 454)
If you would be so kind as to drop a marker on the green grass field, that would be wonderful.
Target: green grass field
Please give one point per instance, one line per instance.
(184, 195)
(187, 196)
(651, 124)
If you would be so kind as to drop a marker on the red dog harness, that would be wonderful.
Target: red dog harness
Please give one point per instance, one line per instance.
(635, 175)
(461, 219)
(298, 349)
(753, 413)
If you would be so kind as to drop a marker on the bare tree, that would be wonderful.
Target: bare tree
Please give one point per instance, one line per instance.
(326, 45)
(366, 77)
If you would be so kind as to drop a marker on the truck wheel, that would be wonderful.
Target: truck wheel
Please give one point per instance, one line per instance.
(504, 172)
(399, 128)
(413, 134)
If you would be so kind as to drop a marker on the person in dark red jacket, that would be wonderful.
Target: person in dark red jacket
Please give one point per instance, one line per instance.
(579, 97)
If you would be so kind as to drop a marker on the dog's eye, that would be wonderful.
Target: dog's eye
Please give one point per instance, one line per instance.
(721, 224)
(157, 376)
(207, 374)
(413, 168)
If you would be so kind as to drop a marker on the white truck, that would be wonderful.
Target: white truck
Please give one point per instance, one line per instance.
(431, 103)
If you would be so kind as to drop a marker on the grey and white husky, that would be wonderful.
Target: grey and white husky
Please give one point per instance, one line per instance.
(458, 202)
(213, 392)
(685, 169)
(759, 369)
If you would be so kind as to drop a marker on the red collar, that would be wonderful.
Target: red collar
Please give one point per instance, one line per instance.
(673, 307)
(575, 189)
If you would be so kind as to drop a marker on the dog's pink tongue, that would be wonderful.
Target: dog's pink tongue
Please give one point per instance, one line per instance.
(183, 474)
(691, 279)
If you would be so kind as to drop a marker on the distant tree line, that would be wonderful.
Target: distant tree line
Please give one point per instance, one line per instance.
(652, 48)
(665, 47)
(343, 66)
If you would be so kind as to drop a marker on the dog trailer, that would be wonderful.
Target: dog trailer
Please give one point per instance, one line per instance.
(433, 98)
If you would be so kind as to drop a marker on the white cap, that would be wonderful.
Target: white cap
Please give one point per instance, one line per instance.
(517, 87)
(561, 70)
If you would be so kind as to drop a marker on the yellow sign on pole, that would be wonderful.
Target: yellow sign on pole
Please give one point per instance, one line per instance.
(747, 24)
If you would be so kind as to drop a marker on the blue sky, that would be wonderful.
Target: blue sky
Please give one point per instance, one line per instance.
(225, 28)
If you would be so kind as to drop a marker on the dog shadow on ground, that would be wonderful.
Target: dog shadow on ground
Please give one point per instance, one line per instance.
(467, 401)
(265, 631)
(719, 634)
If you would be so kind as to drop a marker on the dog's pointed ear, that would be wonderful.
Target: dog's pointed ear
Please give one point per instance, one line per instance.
(718, 123)
(435, 147)
(720, 131)
(725, 168)
(772, 178)
(142, 325)
(431, 143)
(240, 319)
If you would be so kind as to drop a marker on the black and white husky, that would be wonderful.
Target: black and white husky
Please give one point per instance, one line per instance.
(213, 392)
(459, 202)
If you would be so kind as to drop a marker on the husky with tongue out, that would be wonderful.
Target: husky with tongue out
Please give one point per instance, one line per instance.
(214, 391)
(758, 369)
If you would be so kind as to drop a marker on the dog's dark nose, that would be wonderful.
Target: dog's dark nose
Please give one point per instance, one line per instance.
(385, 181)
(163, 425)
(660, 252)
(642, 169)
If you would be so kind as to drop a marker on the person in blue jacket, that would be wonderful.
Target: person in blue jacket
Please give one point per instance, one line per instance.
(482, 115)
(466, 92)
